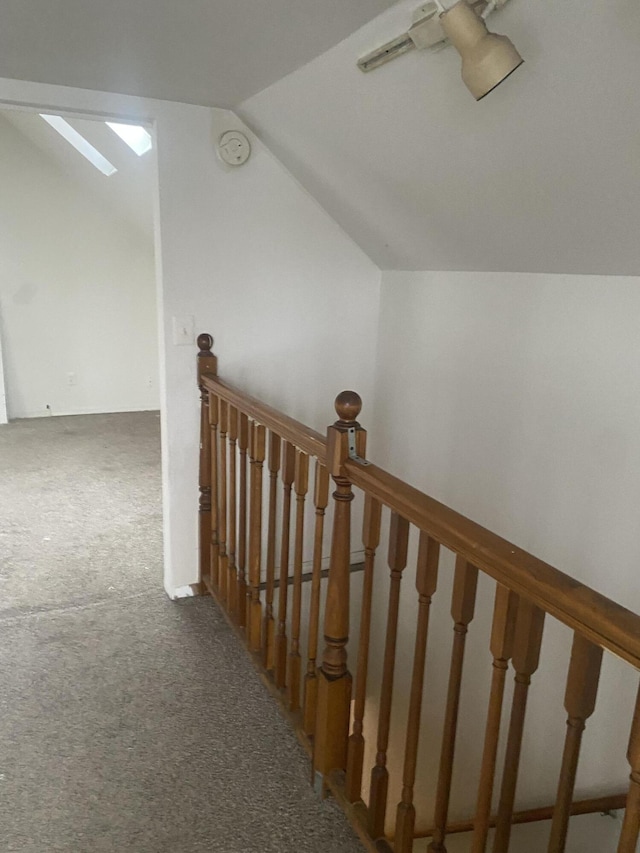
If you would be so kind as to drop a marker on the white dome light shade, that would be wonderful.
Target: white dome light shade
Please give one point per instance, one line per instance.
(487, 59)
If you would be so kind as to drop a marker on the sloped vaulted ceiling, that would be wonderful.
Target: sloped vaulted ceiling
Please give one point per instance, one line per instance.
(211, 52)
(543, 175)
(540, 176)
(128, 194)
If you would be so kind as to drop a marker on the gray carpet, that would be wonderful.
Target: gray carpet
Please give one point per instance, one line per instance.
(80, 509)
(127, 722)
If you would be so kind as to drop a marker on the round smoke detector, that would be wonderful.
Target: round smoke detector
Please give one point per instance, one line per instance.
(234, 148)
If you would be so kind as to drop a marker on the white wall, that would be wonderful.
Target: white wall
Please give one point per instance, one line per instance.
(519, 397)
(291, 301)
(513, 399)
(77, 294)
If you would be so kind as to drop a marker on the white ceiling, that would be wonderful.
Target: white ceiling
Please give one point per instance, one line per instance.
(543, 175)
(212, 52)
(128, 194)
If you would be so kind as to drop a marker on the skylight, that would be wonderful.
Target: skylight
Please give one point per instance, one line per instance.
(136, 137)
(80, 144)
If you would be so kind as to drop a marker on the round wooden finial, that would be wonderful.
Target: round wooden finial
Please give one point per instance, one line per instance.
(205, 342)
(348, 405)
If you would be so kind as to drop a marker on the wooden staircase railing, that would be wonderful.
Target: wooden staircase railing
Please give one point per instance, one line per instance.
(242, 551)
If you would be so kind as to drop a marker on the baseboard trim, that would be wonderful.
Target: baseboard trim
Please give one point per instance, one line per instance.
(42, 416)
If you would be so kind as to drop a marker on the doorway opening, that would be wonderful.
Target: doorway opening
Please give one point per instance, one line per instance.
(80, 492)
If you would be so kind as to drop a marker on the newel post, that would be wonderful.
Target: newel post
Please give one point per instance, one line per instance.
(207, 364)
(334, 678)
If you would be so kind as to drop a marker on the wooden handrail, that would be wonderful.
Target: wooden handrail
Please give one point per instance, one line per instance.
(233, 423)
(604, 622)
(295, 432)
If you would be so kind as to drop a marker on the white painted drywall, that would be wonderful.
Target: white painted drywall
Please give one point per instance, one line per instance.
(77, 294)
(128, 192)
(518, 396)
(513, 399)
(540, 176)
(290, 299)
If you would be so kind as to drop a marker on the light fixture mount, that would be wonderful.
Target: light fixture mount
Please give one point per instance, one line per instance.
(488, 59)
(425, 32)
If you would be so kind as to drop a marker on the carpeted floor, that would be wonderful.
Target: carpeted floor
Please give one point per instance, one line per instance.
(80, 509)
(127, 722)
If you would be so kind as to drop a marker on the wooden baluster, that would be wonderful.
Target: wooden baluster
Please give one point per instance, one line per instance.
(631, 824)
(243, 442)
(268, 628)
(301, 478)
(398, 545)
(288, 475)
(207, 364)
(214, 407)
(223, 559)
(580, 703)
(232, 580)
(502, 634)
(254, 611)
(334, 678)
(463, 603)
(355, 753)
(252, 461)
(426, 582)
(320, 499)
(526, 657)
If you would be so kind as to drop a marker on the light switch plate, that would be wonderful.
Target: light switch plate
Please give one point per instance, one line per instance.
(183, 334)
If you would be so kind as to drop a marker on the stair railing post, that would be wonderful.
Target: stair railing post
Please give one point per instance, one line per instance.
(334, 678)
(207, 365)
(631, 825)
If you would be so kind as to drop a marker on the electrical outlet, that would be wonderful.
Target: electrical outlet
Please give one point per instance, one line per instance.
(72, 379)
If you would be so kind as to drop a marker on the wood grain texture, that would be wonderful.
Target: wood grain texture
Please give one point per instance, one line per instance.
(214, 556)
(320, 500)
(223, 560)
(268, 628)
(243, 443)
(525, 660)
(502, 634)
(301, 483)
(295, 432)
(288, 474)
(254, 609)
(595, 805)
(334, 678)
(580, 703)
(207, 366)
(463, 602)
(598, 618)
(232, 579)
(426, 583)
(379, 785)
(355, 754)
(227, 514)
(631, 825)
